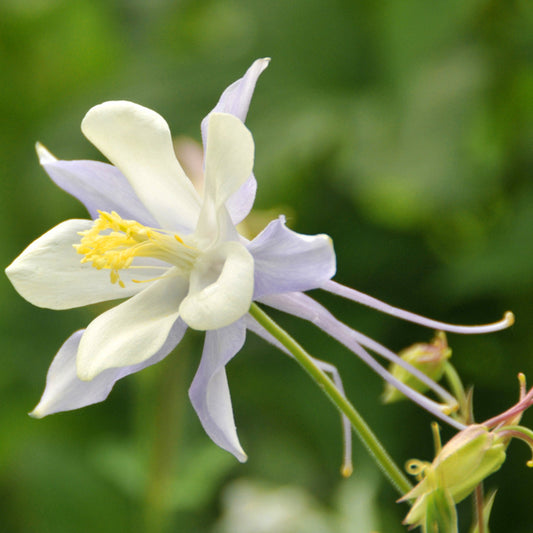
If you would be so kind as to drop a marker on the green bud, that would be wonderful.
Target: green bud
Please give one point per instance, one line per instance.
(441, 514)
(429, 358)
(434, 511)
(466, 460)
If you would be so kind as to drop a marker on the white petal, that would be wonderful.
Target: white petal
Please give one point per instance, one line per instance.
(49, 272)
(64, 391)
(286, 261)
(98, 186)
(229, 157)
(228, 162)
(209, 392)
(133, 331)
(138, 141)
(235, 100)
(221, 287)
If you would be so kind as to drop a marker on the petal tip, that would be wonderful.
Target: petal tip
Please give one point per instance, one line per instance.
(327, 238)
(44, 155)
(37, 413)
(9, 270)
(85, 371)
(98, 116)
(241, 456)
(264, 62)
(219, 119)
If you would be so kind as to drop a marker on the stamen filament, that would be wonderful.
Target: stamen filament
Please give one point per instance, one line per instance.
(436, 437)
(127, 239)
(364, 299)
(522, 385)
(170, 274)
(147, 267)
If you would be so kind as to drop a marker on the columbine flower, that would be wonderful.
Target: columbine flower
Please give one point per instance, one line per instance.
(175, 253)
(178, 256)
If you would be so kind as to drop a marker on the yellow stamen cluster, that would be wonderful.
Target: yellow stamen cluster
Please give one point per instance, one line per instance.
(113, 242)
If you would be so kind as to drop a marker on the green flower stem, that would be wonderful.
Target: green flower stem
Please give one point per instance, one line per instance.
(479, 505)
(456, 386)
(393, 473)
(162, 427)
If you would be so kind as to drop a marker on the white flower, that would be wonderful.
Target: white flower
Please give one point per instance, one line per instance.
(176, 254)
(179, 258)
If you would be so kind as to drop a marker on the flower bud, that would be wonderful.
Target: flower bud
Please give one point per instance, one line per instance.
(440, 513)
(429, 358)
(466, 460)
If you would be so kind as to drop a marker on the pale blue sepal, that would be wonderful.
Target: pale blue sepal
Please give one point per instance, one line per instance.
(209, 391)
(64, 391)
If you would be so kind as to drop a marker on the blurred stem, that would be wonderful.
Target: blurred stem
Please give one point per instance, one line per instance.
(168, 388)
(384, 461)
(456, 386)
(479, 507)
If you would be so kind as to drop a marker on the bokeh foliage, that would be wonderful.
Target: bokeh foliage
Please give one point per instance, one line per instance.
(402, 129)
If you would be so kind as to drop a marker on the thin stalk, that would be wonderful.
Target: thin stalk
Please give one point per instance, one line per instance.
(169, 392)
(478, 503)
(458, 391)
(384, 461)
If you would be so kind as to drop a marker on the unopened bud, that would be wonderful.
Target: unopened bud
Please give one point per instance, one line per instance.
(429, 358)
(466, 460)
(440, 513)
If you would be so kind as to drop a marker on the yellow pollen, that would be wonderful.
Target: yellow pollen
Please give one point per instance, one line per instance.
(113, 243)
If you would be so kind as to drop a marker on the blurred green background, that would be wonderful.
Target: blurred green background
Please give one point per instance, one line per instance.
(401, 129)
